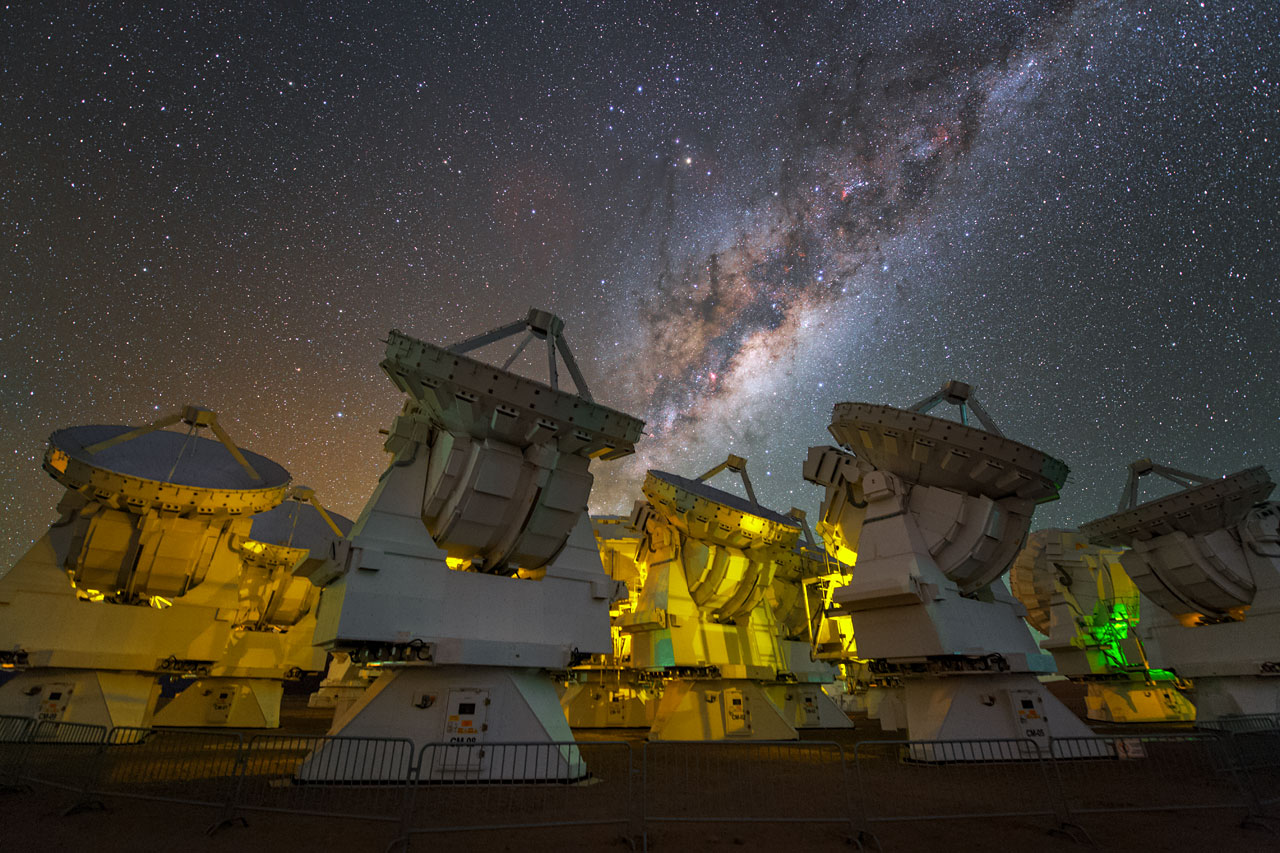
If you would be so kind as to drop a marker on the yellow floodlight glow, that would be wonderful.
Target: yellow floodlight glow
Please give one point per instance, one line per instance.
(58, 460)
(752, 524)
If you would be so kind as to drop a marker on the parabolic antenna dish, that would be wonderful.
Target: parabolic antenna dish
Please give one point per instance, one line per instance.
(165, 470)
(1035, 576)
(716, 515)
(470, 397)
(298, 524)
(933, 451)
(1203, 508)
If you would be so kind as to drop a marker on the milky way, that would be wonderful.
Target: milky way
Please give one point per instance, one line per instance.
(866, 144)
(745, 213)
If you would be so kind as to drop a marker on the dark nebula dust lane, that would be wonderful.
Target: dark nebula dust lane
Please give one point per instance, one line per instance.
(745, 213)
(863, 147)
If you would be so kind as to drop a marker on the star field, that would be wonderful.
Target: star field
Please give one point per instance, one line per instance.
(744, 213)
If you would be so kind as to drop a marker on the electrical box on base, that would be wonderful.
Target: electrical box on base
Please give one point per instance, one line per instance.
(737, 713)
(1028, 713)
(54, 703)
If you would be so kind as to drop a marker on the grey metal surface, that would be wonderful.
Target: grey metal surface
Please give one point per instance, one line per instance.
(1201, 509)
(168, 457)
(711, 493)
(937, 452)
(297, 524)
(469, 396)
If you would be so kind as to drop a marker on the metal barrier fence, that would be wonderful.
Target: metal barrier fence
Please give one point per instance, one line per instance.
(15, 732)
(1146, 773)
(744, 782)
(1256, 757)
(445, 788)
(1242, 723)
(901, 780)
(61, 755)
(341, 777)
(494, 786)
(15, 729)
(191, 766)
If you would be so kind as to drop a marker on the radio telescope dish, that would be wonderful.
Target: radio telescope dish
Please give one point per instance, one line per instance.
(933, 451)
(1209, 556)
(468, 396)
(149, 467)
(473, 566)
(509, 459)
(939, 510)
(726, 586)
(725, 612)
(1203, 505)
(299, 523)
(285, 545)
(714, 515)
(1184, 558)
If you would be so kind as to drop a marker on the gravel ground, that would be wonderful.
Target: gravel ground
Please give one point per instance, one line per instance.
(681, 784)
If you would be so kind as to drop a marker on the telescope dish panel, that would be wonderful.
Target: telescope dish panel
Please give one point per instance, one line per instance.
(297, 524)
(717, 514)
(467, 396)
(937, 452)
(1200, 509)
(1034, 576)
(165, 470)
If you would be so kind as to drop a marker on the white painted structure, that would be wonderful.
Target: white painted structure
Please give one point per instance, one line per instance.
(936, 511)
(1207, 561)
(473, 570)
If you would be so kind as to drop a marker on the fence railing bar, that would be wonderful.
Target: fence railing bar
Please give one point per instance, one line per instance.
(577, 784)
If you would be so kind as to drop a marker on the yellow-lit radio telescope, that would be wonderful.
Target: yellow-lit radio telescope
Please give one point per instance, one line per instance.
(271, 637)
(707, 615)
(1079, 596)
(134, 579)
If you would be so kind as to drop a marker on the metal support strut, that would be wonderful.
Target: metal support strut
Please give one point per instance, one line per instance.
(738, 465)
(1141, 467)
(538, 324)
(959, 394)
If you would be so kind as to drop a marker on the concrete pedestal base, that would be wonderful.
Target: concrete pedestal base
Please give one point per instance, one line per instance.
(463, 715)
(718, 709)
(236, 703)
(94, 697)
(807, 706)
(1217, 697)
(983, 707)
(610, 701)
(1135, 702)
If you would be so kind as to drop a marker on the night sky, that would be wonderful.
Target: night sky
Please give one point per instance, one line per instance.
(744, 213)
